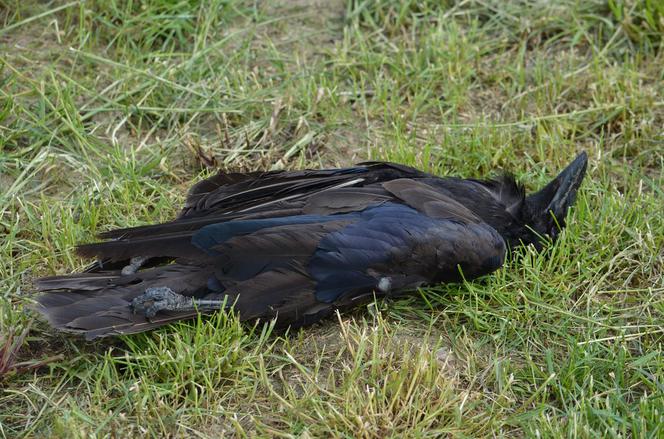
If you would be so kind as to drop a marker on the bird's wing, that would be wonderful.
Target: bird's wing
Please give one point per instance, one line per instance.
(226, 197)
(395, 248)
(174, 239)
(246, 192)
(329, 261)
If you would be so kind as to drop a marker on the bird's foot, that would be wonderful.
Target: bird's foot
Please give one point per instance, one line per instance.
(134, 264)
(158, 299)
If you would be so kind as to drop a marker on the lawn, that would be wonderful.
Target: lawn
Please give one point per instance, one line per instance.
(110, 110)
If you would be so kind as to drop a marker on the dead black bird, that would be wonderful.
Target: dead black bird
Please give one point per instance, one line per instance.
(297, 245)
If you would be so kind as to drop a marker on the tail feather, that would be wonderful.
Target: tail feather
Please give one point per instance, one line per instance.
(102, 308)
(99, 304)
(64, 314)
(168, 245)
(100, 314)
(83, 281)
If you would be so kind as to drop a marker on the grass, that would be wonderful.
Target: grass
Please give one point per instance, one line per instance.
(109, 110)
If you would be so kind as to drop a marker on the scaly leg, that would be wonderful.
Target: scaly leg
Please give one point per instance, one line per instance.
(134, 264)
(165, 299)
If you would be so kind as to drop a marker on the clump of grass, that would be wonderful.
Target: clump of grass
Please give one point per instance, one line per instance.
(10, 343)
(374, 380)
(642, 20)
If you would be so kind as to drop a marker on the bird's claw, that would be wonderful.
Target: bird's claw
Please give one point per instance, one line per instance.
(158, 299)
(135, 264)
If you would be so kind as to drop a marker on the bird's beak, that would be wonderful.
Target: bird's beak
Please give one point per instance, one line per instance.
(559, 195)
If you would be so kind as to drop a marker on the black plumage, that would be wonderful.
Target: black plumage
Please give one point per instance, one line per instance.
(297, 245)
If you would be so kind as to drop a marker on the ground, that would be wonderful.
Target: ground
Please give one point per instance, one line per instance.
(109, 110)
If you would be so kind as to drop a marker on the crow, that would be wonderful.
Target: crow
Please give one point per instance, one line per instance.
(297, 245)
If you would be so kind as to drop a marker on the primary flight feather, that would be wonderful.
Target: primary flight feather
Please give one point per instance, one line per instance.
(298, 245)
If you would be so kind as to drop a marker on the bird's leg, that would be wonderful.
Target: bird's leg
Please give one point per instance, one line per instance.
(165, 299)
(134, 264)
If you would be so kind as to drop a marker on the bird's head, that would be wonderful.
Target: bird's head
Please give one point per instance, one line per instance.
(544, 211)
(526, 220)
